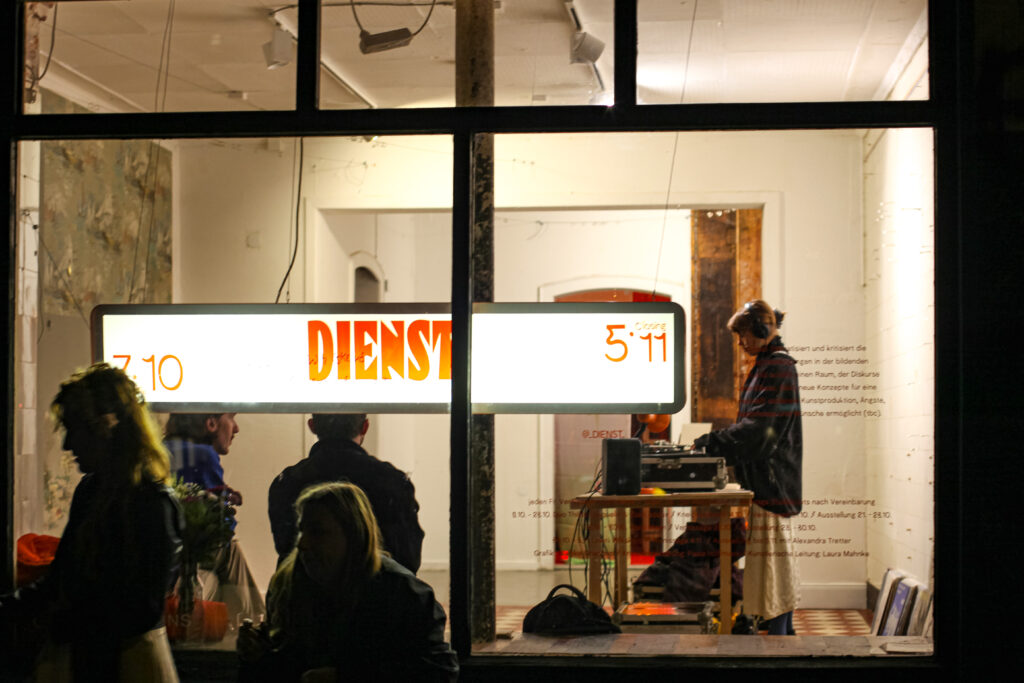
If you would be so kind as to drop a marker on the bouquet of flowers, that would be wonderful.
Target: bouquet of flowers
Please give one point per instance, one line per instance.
(207, 530)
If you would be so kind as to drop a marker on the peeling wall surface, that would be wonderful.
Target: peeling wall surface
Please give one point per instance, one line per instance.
(106, 221)
(104, 238)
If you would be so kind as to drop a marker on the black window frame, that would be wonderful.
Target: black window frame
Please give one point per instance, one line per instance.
(950, 39)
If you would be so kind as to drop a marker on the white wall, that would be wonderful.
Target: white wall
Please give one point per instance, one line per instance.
(809, 184)
(900, 279)
(899, 229)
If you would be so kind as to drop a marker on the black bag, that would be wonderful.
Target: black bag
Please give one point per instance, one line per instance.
(567, 615)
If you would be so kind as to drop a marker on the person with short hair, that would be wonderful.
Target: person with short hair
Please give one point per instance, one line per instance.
(196, 442)
(338, 455)
(101, 604)
(765, 446)
(341, 609)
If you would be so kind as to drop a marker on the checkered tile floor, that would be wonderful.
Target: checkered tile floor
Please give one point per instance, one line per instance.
(832, 622)
(807, 622)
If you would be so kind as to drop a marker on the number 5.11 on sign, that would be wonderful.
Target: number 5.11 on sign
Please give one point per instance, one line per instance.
(620, 348)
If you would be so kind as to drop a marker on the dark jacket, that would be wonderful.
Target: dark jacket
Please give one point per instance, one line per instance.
(393, 632)
(765, 444)
(389, 490)
(110, 576)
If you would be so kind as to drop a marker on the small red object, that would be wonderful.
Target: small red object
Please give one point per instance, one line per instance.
(35, 554)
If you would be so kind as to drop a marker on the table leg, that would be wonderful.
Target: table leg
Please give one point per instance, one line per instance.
(595, 555)
(725, 568)
(621, 536)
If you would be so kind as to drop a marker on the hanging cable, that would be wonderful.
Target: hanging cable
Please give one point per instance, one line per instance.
(416, 32)
(152, 165)
(53, 43)
(298, 205)
(675, 149)
(689, 48)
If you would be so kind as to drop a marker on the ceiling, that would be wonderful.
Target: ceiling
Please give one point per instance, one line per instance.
(207, 55)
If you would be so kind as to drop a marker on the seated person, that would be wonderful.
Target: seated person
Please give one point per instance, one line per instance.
(340, 609)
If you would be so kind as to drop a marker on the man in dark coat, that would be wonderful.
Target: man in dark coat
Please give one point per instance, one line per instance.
(338, 455)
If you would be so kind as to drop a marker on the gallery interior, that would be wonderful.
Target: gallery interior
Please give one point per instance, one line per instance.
(704, 152)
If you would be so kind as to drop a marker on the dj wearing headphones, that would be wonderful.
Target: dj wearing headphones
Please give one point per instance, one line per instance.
(765, 446)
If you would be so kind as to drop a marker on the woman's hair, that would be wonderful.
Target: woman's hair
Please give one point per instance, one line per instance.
(756, 316)
(288, 602)
(348, 504)
(190, 426)
(106, 402)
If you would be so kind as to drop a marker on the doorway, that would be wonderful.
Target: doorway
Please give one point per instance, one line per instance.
(726, 253)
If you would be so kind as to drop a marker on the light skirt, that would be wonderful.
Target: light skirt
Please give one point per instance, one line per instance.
(770, 574)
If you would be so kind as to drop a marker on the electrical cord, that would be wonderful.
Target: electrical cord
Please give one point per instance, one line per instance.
(53, 44)
(298, 205)
(415, 33)
(163, 70)
(675, 148)
(580, 529)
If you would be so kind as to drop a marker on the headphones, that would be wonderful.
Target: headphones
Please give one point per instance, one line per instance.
(757, 327)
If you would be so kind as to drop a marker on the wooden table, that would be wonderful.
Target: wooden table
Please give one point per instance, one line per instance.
(721, 501)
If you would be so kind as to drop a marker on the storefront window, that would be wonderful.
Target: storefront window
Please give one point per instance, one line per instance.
(579, 219)
(827, 213)
(241, 221)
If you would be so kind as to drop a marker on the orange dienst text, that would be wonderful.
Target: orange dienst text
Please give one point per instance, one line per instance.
(372, 349)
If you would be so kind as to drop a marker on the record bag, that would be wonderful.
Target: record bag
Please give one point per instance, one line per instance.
(562, 614)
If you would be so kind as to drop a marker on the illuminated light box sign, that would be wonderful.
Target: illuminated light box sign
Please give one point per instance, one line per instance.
(396, 358)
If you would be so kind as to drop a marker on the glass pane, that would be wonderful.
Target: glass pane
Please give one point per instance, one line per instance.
(151, 55)
(750, 51)
(711, 221)
(384, 55)
(215, 221)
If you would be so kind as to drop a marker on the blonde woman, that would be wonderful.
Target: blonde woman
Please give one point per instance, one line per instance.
(100, 608)
(340, 609)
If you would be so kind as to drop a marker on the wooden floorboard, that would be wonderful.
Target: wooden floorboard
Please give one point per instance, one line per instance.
(698, 645)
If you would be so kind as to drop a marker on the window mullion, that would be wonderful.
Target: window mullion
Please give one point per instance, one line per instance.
(307, 72)
(625, 52)
(459, 549)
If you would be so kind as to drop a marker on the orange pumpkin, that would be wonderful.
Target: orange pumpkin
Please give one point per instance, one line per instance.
(208, 621)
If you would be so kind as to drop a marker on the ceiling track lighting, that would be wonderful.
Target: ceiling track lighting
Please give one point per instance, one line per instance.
(585, 48)
(387, 40)
(278, 50)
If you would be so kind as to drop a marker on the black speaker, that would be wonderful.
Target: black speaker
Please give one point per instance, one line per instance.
(620, 467)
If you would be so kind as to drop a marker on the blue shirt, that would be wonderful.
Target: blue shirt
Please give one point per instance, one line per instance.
(197, 463)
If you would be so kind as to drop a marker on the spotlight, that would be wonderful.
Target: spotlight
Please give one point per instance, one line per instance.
(388, 40)
(585, 48)
(278, 51)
